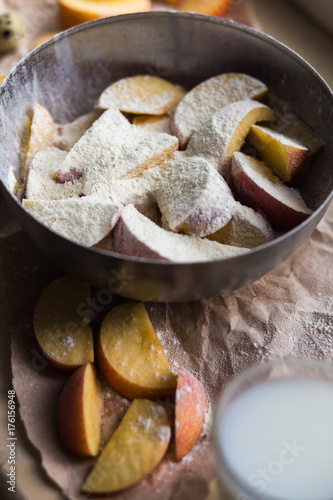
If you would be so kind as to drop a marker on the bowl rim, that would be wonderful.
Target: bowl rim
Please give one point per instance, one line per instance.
(182, 15)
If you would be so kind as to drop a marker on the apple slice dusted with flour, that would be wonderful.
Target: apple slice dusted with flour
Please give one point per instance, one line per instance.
(113, 149)
(193, 197)
(247, 228)
(79, 415)
(68, 134)
(94, 150)
(225, 132)
(142, 95)
(138, 191)
(130, 354)
(259, 188)
(158, 124)
(191, 409)
(12, 182)
(284, 155)
(41, 184)
(83, 220)
(209, 97)
(133, 451)
(39, 134)
(137, 236)
(295, 128)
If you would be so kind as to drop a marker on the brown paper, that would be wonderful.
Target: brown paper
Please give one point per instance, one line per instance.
(286, 313)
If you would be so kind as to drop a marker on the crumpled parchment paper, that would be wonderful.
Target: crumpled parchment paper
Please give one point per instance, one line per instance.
(288, 312)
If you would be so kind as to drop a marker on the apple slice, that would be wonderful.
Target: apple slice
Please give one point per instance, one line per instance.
(283, 155)
(91, 150)
(61, 319)
(85, 220)
(293, 127)
(130, 355)
(73, 12)
(106, 244)
(112, 149)
(41, 184)
(134, 450)
(142, 95)
(259, 188)
(39, 134)
(191, 408)
(209, 97)
(247, 228)
(207, 7)
(193, 197)
(12, 182)
(79, 416)
(139, 191)
(157, 124)
(137, 236)
(68, 134)
(225, 131)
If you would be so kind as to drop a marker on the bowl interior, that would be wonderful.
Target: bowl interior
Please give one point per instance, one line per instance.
(67, 74)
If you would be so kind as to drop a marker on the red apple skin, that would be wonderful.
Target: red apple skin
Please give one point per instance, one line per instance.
(280, 215)
(69, 176)
(71, 423)
(191, 408)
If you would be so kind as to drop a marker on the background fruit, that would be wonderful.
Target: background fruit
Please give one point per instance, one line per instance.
(73, 12)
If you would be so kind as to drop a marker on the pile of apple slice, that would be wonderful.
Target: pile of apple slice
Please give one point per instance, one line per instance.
(130, 357)
(167, 173)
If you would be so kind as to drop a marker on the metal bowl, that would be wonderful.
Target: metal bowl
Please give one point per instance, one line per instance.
(67, 73)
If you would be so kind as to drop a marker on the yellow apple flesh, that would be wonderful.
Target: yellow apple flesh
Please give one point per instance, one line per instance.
(282, 154)
(61, 319)
(134, 450)
(79, 416)
(130, 355)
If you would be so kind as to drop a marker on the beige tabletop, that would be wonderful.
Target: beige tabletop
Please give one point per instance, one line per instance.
(281, 20)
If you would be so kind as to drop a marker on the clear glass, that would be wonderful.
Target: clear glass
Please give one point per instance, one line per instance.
(280, 376)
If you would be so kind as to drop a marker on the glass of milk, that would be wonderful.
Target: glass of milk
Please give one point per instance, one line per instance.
(274, 433)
